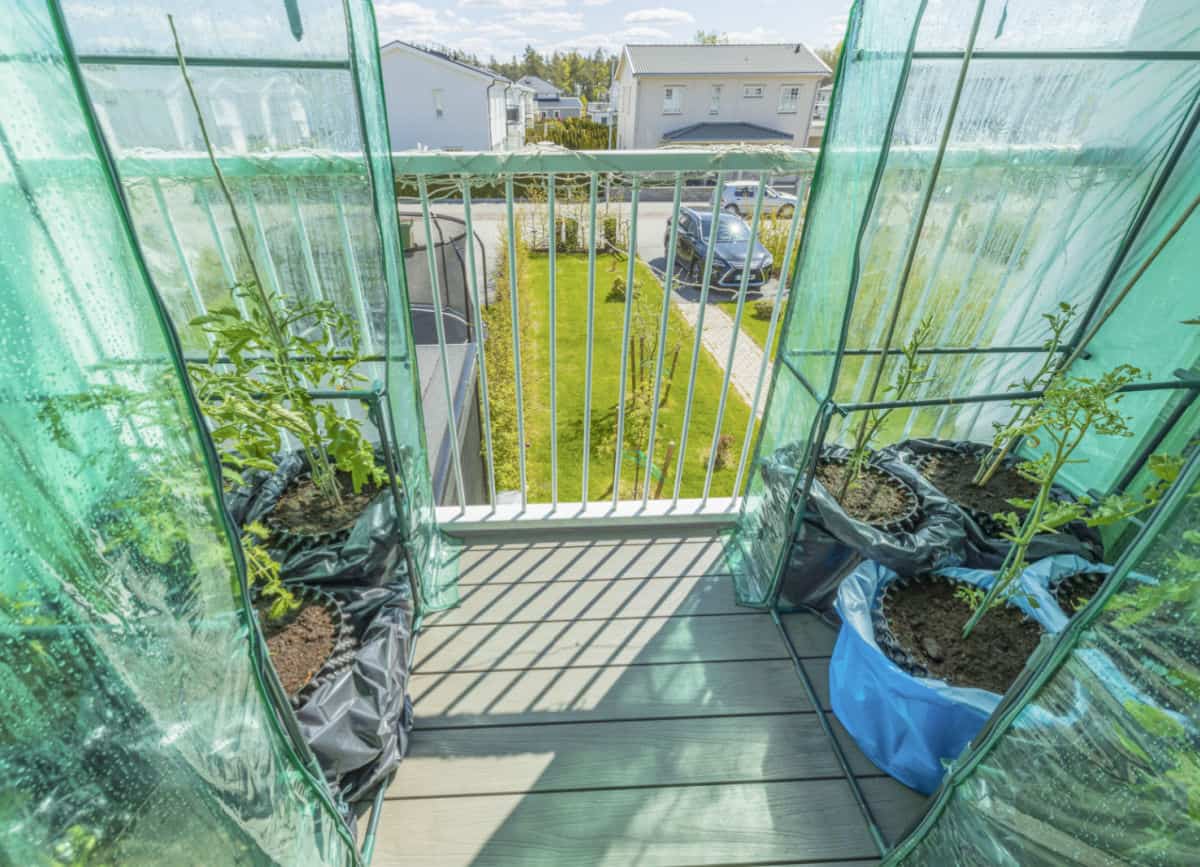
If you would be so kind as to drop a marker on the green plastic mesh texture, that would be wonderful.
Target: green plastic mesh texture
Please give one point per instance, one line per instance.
(1064, 127)
(134, 722)
(293, 103)
(1100, 766)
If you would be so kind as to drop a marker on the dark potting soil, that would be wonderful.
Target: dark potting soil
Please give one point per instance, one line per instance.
(1076, 591)
(952, 473)
(302, 508)
(299, 643)
(927, 620)
(874, 498)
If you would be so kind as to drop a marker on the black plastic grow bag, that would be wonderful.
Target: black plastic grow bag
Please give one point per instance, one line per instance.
(984, 547)
(369, 553)
(357, 721)
(830, 543)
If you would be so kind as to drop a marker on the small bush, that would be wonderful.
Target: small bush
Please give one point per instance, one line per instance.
(567, 235)
(616, 292)
(763, 308)
(724, 452)
(610, 232)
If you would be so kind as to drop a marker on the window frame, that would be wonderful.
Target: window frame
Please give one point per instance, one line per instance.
(439, 106)
(676, 90)
(794, 108)
(761, 94)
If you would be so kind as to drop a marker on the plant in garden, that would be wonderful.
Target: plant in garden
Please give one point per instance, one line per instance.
(252, 391)
(262, 573)
(763, 308)
(1007, 433)
(970, 595)
(1069, 408)
(909, 375)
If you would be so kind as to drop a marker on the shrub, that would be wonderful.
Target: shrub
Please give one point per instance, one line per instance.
(724, 452)
(763, 308)
(617, 291)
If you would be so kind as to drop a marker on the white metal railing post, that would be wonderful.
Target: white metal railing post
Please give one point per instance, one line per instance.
(552, 265)
(664, 321)
(593, 184)
(788, 252)
(481, 354)
(698, 340)
(747, 266)
(440, 328)
(630, 273)
(516, 334)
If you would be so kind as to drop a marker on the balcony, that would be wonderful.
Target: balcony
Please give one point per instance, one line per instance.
(597, 551)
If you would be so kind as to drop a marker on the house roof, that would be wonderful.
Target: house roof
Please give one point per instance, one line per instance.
(793, 58)
(561, 102)
(539, 86)
(725, 132)
(446, 58)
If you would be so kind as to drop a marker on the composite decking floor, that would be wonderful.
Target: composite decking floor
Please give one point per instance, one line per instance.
(602, 701)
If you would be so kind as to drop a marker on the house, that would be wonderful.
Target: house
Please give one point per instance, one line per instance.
(600, 112)
(816, 130)
(439, 103)
(716, 94)
(549, 103)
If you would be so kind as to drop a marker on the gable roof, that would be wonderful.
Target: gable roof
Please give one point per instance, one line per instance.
(725, 132)
(434, 54)
(793, 58)
(540, 86)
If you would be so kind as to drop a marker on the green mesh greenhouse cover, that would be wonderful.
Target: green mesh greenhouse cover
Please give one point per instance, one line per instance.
(1097, 760)
(293, 101)
(132, 689)
(984, 162)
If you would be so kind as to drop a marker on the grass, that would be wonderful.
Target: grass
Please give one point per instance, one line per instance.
(571, 325)
(752, 326)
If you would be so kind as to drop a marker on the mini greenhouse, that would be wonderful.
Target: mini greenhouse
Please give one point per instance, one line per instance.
(398, 507)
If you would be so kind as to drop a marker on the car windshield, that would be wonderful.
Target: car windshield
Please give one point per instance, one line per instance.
(730, 228)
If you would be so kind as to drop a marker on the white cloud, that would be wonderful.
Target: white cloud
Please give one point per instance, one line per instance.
(596, 2)
(514, 5)
(555, 22)
(660, 15)
(836, 29)
(758, 34)
(644, 34)
(413, 22)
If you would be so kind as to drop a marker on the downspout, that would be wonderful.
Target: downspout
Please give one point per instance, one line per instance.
(489, 103)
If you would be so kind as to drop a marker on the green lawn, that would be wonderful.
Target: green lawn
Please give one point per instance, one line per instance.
(534, 312)
(753, 327)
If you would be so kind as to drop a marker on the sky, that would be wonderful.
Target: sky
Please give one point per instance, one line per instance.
(502, 28)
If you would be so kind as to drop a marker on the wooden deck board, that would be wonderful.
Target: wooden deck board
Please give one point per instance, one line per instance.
(662, 558)
(605, 702)
(571, 600)
(652, 827)
(515, 759)
(607, 693)
(606, 642)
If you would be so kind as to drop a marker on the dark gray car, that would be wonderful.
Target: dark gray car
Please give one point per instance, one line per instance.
(729, 254)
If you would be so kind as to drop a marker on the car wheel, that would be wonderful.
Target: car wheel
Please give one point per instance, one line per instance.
(785, 213)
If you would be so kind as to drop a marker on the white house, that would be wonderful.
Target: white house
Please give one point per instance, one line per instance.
(715, 94)
(549, 102)
(600, 112)
(439, 103)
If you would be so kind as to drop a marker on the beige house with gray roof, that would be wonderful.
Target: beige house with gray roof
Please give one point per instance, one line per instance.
(715, 94)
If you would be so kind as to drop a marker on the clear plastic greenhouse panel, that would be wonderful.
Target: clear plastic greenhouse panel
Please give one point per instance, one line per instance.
(136, 716)
(1095, 761)
(292, 99)
(984, 163)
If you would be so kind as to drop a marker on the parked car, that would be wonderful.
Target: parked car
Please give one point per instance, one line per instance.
(737, 197)
(729, 251)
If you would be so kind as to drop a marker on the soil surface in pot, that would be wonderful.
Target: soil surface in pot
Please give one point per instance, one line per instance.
(874, 498)
(951, 474)
(927, 620)
(1076, 591)
(302, 508)
(299, 643)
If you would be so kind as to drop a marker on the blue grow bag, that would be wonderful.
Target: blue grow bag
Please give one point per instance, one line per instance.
(912, 727)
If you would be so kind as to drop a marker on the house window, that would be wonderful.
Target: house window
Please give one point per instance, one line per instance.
(789, 98)
(754, 91)
(438, 108)
(714, 100)
(672, 100)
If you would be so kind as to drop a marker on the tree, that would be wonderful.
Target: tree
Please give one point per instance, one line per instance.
(710, 37)
(831, 56)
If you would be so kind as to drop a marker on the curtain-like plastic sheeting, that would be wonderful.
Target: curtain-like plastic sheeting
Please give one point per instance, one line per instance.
(134, 721)
(292, 102)
(1049, 162)
(856, 134)
(1099, 765)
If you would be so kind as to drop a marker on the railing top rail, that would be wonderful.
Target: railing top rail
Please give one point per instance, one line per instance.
(543, 161)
